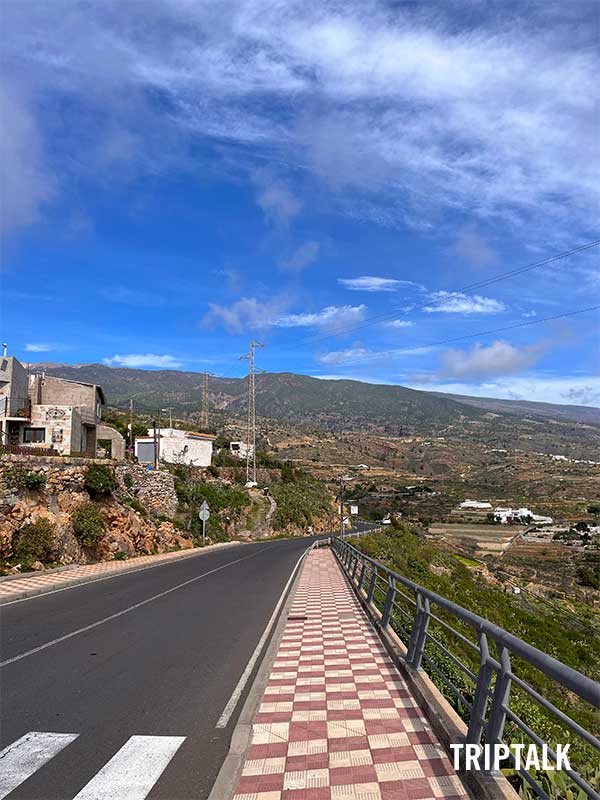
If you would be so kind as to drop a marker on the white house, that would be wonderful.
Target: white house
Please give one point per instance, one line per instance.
(175, 447)
(475, 504)
(241, 449)
(506, 515)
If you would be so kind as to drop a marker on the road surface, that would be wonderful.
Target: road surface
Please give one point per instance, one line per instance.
(163, 665)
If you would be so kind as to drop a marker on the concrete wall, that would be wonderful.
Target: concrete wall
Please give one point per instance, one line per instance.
(196, 452)
(47, 389)
(13, 386)
(115, 438)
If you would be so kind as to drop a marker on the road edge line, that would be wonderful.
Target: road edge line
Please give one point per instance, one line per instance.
(241, 736)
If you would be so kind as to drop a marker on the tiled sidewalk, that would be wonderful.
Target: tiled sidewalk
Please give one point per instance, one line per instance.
(336, 721)
(40, 582)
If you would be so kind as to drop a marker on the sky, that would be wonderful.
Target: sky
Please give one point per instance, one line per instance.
(330, 179)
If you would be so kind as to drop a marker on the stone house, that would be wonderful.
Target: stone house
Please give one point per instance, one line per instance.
(175, 447)
(44, 412)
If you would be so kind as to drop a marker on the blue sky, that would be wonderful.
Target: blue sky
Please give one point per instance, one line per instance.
(179, 177)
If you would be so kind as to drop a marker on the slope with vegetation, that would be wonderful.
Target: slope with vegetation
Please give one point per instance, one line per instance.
(543, 625)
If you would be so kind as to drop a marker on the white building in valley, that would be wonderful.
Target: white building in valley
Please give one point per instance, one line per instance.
(476, 505)
(516, 515)
(175, 447)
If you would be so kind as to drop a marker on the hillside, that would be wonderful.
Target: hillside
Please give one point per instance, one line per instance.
(346, 406)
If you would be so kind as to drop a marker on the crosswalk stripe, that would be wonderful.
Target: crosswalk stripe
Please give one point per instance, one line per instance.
(22, 758)
(133, 770)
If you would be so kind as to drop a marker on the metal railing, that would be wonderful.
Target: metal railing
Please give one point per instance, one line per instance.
(17, 407)
(409, 609)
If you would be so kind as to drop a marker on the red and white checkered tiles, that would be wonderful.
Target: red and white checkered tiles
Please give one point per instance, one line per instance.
(336, 721)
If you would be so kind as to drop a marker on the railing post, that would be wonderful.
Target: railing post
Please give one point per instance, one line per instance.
(361, 578)
(354, 567)
(495, 726)
(477, 719)
(416, 645)
(389, 602)
(372, 583)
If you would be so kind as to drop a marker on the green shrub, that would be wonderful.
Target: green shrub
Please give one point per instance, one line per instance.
(137, 506)
(100, 480)
(299, 500)
(88, 523)
(213, 471)
(34, 542)
(128, 481)
(120, 555)
(21, 478)
(34, 480)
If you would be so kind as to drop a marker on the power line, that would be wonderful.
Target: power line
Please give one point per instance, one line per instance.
(470, 287)
(391, 353)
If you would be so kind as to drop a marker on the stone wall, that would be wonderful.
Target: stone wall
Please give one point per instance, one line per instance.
(154, 489)
(131, 529)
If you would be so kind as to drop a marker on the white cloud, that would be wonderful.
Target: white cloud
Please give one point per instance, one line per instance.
(276, 199)
(302, 257)
(577, 390)
(26, 182)
(474, 249)
(488, 113)
(245, 314)
(399, 323)
(38, 347)
(357, 355)
(458, 303)
(144, 360)
(372, 283)
(329, 318)
(499, 358)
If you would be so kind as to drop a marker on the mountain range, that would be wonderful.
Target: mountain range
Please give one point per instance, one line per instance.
(345, 405)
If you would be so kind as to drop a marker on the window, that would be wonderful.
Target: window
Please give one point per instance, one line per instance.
(34, 435)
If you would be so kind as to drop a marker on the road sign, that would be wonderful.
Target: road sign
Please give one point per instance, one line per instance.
(354, 510)
(204, 514)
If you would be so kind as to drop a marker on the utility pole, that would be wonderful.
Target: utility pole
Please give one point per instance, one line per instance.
(204, 414)
(251, 426)
(341, 506)
(131, 445)
(156, 440)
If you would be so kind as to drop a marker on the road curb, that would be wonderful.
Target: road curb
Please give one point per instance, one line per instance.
(224, 785)
(83, 579)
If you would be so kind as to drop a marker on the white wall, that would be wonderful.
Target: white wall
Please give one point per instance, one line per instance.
(195, 452)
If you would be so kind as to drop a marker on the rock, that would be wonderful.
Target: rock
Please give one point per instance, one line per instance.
(37, 566)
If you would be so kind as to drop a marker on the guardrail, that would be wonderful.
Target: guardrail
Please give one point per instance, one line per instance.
(494, 678)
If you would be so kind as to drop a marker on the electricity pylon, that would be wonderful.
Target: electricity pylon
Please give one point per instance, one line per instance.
(251, 428)
(204, 413)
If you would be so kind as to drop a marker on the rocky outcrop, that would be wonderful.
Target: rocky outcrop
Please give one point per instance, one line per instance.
(59, 489)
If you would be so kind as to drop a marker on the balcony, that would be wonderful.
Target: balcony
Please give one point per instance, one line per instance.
(15, 408)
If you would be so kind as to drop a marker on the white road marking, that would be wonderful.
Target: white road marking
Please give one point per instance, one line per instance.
(133, 770)
(22, 758)
(237, 692)
(124, 611)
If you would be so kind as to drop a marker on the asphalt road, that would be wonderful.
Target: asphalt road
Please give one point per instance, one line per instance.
(166, 668)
